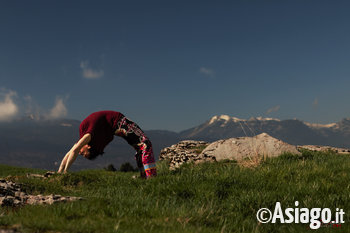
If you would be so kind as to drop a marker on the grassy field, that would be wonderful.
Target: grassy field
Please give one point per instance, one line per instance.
(216, 197)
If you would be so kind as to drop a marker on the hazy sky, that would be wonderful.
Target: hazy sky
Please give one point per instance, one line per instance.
(174, 64)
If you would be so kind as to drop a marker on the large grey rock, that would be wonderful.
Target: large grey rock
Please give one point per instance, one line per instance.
(232, 149)
(248, 147)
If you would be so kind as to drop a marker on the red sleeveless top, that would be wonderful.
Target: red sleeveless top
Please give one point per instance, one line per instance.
(102, 126)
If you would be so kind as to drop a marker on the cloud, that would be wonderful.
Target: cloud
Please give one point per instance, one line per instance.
(27, 107)
(59, 110)
(32, 110)
(206, 71)
(35, 112)
(89, 73)
(273, 109)
(8, 108)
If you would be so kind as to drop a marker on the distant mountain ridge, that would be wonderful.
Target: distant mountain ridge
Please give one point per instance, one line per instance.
(41, 143)
(294, 131)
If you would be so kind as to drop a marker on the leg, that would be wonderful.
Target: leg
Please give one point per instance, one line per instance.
(138, 158)
(147, 158)
(133, 134)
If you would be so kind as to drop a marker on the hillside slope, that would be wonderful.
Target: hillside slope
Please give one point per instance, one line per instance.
(210, 197)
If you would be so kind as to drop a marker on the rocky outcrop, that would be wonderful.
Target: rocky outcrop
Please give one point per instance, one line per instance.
(231, 149)
(12, 195)
(248, 147)
(325, 149)
(45, 176)
(185, 152)
(9, 231)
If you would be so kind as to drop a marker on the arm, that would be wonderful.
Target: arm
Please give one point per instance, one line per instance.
(70, 157)
(64, 161)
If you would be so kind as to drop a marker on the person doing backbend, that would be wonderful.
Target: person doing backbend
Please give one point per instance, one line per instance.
(98, 130)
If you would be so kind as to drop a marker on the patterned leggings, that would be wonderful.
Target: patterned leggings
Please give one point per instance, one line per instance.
(132, 133)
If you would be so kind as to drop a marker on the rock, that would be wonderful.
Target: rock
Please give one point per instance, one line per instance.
(16, 202)
(8, 201)
(325, 149)
(231, 149)
(46, 175)
(49, 173)
(8, 231)
(183, 152)
(12, 196)
(7, 191)
(2, 200)
(248, 147)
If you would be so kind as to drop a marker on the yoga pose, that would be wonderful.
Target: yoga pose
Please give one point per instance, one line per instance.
(99, 128)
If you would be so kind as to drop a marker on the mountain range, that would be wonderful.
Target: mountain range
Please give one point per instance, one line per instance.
(293, 131)
(42, 143)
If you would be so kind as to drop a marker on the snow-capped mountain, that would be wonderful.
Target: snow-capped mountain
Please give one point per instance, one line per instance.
(292, 131)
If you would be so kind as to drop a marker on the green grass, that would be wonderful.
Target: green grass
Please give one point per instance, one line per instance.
(210, 197)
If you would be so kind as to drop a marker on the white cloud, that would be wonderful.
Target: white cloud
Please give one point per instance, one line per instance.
(89, 73)
(59, 109)
(8, 108)
(206, 71)
(273, 109)
(11, 109)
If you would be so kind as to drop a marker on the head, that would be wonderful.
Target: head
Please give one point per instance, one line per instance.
(88, 152)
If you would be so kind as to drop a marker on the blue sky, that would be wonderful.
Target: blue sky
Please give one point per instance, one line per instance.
(175, 64)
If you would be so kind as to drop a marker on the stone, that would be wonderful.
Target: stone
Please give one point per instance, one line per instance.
(182, 152)
(46, 175)
(8, 201)
(49, 173)
(325, 149)
(16, 202)
(262, 145)
(248, 147)
(7, 192)
(12, 196)
(8, 231)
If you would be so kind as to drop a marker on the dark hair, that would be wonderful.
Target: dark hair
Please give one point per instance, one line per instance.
(92, 154)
